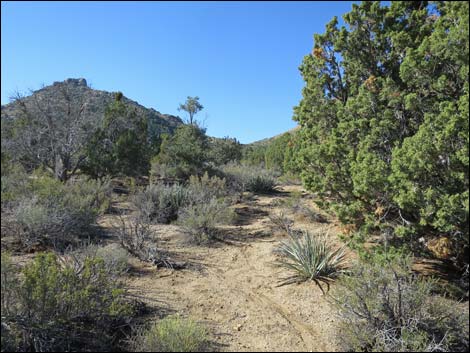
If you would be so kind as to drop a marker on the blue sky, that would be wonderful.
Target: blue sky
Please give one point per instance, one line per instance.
(240, 58)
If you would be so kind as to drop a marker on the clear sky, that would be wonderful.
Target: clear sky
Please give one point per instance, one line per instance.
(240, 58)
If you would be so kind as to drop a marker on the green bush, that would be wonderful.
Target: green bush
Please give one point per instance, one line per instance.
(171, 334)
(44, 211)
(15, 182)
(311, 257)
(224, 150)
(160, 202)
(249, 178)
(203, 189)
(181, 155)
(385, 308)
(384, 134)
(8, 284)
(121, 145)
(200, 221)
(63, 304)
(261, 184)
(276, 152)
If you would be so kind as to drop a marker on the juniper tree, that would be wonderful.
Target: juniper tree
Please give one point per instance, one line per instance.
(384, 117)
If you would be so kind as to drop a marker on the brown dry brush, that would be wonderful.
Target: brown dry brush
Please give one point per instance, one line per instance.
(138, 237)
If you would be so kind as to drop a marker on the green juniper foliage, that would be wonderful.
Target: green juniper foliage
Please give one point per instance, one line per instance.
(225, 150)
(121, 146)
(183, 154)
(384, 129)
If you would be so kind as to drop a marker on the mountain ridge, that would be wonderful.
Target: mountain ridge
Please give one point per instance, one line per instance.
(95, 103)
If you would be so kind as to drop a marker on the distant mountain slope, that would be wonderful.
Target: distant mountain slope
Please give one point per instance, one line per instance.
(95, 103)
(268, 140)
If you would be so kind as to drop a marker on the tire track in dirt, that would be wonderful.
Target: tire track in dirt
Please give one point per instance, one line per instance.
(236, 294)
(237, 281)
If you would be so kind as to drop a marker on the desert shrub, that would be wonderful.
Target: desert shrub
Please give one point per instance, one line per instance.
(160, 202)
(171, 334)
(8, 284)
(200, 221)
(136, 236)
(50, 213)
(249, 178)
(115, 257)
(14, 183)
(64, 305)
(261, 184)
(9, 288)
(290, 178)
(203, 189)
(311, 257)
(163, 172)
(94, 194)
(281, 223)
(388, 309)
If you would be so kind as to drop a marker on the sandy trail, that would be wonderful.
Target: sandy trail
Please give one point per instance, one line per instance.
(233, 289)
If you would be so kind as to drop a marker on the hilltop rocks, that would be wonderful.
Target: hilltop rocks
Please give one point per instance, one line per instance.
(95, 103)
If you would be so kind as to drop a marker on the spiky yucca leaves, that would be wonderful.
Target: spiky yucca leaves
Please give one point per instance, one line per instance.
(311, 257)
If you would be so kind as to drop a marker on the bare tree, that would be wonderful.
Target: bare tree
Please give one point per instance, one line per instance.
(48, 129)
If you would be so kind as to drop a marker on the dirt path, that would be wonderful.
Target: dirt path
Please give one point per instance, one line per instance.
(232, 287)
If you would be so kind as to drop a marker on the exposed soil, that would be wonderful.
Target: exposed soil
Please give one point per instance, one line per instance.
(233, 288)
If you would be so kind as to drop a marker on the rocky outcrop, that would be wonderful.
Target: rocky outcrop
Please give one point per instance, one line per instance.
(94, 103)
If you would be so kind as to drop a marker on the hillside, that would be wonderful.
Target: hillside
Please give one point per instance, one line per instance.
(266, 141)
(95, 103)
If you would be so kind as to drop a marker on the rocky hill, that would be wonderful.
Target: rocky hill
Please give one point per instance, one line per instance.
(94, 103)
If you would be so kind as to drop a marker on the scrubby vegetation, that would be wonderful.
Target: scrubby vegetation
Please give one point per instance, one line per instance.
(200, 220)
(254, 179)
(390, 309)
(39, 210)
(183, 154)
(54, 303)
(275, 154)
(171, 334)
(160, 203)
(122, 145)
(382, 147)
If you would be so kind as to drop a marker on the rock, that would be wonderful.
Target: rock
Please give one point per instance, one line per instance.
(95, 105)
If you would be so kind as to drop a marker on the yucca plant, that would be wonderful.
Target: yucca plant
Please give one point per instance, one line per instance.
(311, 257)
